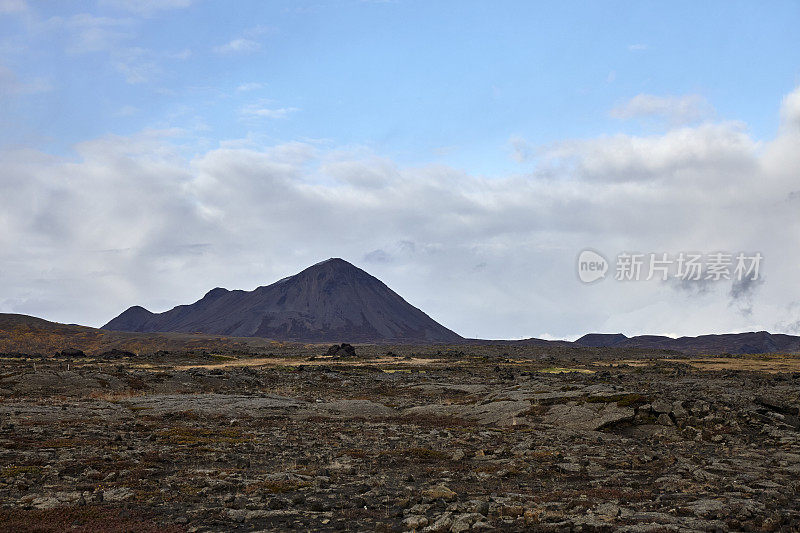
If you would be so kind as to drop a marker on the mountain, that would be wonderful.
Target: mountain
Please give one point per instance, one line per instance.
(32, 335)
(600, 340)
(733, 343)
(331, 301)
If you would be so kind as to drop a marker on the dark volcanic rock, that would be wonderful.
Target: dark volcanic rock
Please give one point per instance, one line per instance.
(72, 352)
(435, 445)
(341, 350)
(116, 354)
(329, 301)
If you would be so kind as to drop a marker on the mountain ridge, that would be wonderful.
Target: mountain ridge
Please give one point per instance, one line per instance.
(40, 335)
(734, 343)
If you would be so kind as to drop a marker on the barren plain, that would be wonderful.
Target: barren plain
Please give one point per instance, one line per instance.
(400, 438)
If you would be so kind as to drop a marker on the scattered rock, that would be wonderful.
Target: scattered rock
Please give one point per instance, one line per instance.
(664, 420)
(439, 492)
(414, 522)
(455, 444)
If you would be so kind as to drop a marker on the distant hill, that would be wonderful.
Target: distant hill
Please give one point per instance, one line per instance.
(733, 343)
(30, 335)
(600, 340)
(331, 301)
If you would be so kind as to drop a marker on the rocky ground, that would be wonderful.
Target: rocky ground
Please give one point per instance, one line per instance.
(454, 442)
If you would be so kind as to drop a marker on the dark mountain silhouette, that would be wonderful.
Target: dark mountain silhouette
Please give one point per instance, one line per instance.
(327, 302)
(733, 343)
(30, 335)
(599, 340)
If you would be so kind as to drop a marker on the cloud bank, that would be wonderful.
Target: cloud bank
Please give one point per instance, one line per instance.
(134, 220)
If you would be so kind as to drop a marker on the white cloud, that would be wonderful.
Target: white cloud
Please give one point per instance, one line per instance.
(126, 111)
(89, 33)
(11, 85)
(238, 46)
(246, 87)
(13, 6)
(135, 64)
(86, 33)
(133, 221)
(709, 151)
(186, 53)
(146, 7)
(521, 150)
(790, 109)
(676, 110)
(638, 47)
(266, 112)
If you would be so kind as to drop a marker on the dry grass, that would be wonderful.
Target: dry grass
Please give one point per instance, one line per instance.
(416, 455)
(281, 486)
(189, 436)
(15, 471)
(771, 363)
(565, 370)
(293, 362)
(116, 396)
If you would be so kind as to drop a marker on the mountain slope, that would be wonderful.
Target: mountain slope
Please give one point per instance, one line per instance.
(330, 301)
(32, 335)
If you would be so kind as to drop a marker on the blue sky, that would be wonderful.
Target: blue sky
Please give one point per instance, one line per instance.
(417, 81)
(473, 143)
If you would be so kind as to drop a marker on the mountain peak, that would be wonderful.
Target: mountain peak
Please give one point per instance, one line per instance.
(335, 263)
(215, 293)
(133, 319)
(335, 260)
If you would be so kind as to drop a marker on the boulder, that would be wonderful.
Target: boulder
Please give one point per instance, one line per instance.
(662, 406)
(339, 351)
(71, 352)
(589, 416)
(439, 492)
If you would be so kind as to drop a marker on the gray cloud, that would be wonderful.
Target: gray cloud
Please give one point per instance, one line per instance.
(692, 287)
(742, 294)
(377, 256)
(744, 288)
